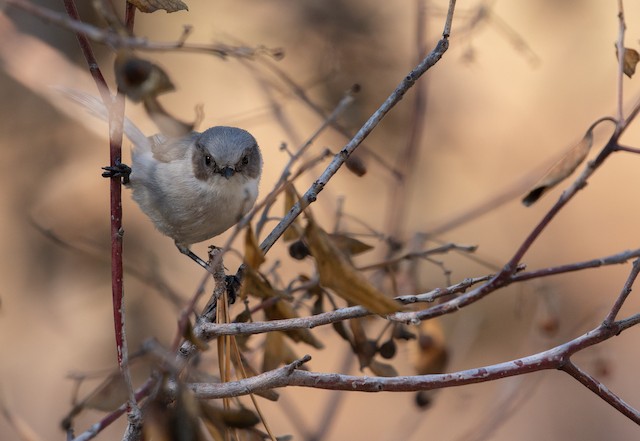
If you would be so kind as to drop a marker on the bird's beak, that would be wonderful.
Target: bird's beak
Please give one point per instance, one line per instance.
(227, 172)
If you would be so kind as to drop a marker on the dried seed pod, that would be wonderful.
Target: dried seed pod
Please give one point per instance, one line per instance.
(298, 250)
(388, 349)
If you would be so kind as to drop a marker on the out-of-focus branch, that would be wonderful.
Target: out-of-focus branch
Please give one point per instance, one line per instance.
(312, 193)
(116, 40)
(406, 157)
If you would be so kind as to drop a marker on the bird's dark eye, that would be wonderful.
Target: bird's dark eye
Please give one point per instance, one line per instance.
(207, 160)
(245, 160)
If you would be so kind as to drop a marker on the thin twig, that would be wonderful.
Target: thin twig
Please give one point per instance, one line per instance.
(620, 46)
(312, 193)
(406, 158)
(116, 40)
(602, 391)
(346, 100)
(626, 290)
(445, 248)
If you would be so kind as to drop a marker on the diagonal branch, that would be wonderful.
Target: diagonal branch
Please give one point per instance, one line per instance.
(339, 159)
(602, 391)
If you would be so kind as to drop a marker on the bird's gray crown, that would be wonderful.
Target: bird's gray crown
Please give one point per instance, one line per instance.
(226, 145)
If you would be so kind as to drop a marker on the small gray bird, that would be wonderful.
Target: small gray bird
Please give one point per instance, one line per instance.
(194, 187)
(198, 186)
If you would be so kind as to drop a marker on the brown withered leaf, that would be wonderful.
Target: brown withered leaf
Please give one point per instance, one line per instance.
(250, 371)
(253, 255)
(356, 165)
(276, 352)
(382, 369)
(432, 354)
(154, 5)
(140, 79)
(256, 285)
(348, 245)
(291, 196)
(283, 310)
(189, 335)
(561, 170)
(178, 421)
(362, 346)
(337, 273)
(630, 60)
(240, 418)
(166, 123)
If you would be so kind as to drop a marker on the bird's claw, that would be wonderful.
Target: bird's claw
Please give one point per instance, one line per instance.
(119, 170)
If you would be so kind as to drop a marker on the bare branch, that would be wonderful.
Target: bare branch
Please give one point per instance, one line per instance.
(393, 99)
(602, 391)
(555, 358)
(626, 290)
(117, 40)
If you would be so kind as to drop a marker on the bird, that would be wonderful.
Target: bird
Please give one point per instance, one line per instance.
(193, 187)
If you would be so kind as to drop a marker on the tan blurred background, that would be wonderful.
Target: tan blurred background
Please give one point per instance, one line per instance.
(511, 94)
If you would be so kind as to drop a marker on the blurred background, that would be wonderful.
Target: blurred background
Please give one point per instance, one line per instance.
(519, 85)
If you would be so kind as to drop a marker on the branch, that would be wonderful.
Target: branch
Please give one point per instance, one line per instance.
(602, 391)
(555, 358)
(626, 290)
(213, 330)
(312, 193)
(116, 40)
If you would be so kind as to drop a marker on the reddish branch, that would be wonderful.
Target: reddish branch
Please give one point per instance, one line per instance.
(116, 117)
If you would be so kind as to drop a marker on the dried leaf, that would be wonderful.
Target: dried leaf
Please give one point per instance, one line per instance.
(432, 354)
(179, 421)
(630, 60)
(341, 329)
(154, 5)
(276, 352)
(193, 339)
(561, 170)
(256, 285)
(166, 123)
(363, 347)
(337, 273)
(293, 232)
(240, 418)
(356, 165)
(140, 79)
(250, 371)
(348, 245)
(382, 369)
(283, 310)
(253, 255)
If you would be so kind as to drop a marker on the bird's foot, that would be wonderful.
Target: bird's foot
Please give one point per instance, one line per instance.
(119, 170)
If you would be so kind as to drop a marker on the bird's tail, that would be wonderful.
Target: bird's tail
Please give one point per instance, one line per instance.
(97, 108)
